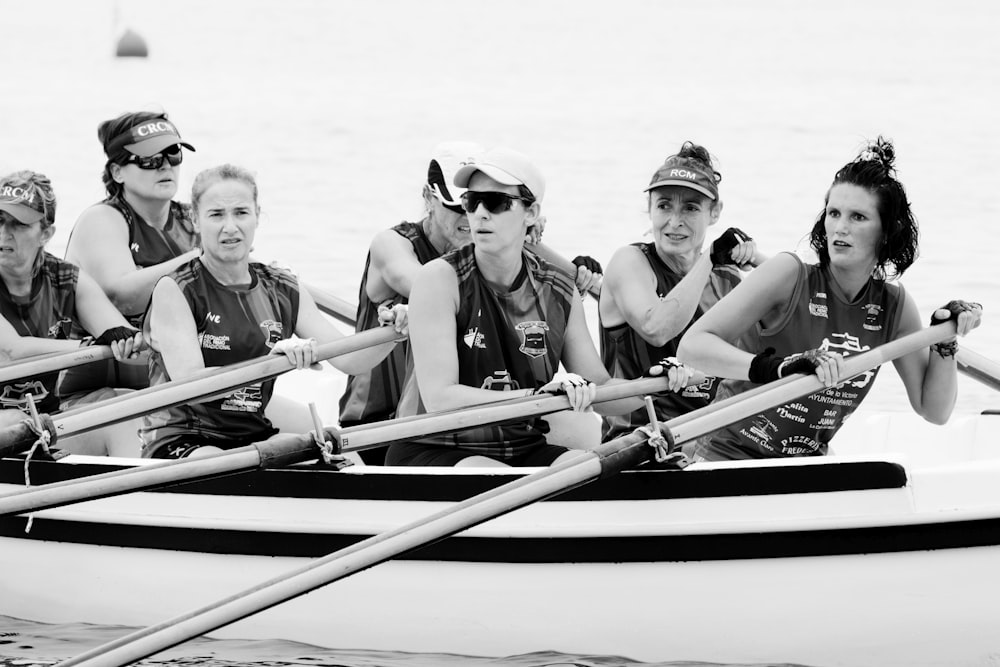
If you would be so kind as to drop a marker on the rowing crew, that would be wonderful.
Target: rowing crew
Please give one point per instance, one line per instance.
(470, 277)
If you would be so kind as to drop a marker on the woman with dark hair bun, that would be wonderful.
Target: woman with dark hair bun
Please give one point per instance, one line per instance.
(138, 234)
(653, 291)
(795, 317)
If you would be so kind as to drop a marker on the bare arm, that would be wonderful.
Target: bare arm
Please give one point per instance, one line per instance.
(629, 295)
(393, 267)
(97, 315)
(99, 245)
(14, 346)
(759, 297)
(172, 331)
(931, 380)
(312, 324)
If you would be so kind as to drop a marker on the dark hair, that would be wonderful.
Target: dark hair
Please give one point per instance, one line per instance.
(873, 170)
(226, 172)
(110, 130)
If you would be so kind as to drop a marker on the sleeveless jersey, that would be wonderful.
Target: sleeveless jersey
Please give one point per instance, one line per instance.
(817, 316)
(627, 355)
(234, 324)
(373, 396)
(504, 341)
(50, 312)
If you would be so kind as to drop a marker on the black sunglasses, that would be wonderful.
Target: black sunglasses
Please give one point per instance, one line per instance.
(454, 208)
(495, 202)
(172, 155)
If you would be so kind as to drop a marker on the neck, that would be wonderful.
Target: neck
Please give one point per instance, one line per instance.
(850, 282)
(679, 264)
(434, 235)
(227, 273)
(156, 212)
(501, 270)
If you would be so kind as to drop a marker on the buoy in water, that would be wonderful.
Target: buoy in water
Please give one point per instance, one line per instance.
(131, 45)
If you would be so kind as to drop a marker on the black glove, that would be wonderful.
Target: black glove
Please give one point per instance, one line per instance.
(588, 263)
(662, 366)
(954, 308)
(722, 247)
(765, 367)
(115, 333)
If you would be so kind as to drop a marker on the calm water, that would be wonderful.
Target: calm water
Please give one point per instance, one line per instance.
(336, 105)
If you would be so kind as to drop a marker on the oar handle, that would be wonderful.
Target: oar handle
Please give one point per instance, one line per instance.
(55, 361)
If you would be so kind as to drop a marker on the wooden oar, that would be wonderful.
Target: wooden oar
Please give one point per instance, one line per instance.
(978, 367)
(206, 383)
(55, 361)
(605, 461)
(293, 448)
(343, 311)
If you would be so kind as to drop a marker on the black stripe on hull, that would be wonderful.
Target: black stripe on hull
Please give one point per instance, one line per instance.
(889, 539)
(311, 482)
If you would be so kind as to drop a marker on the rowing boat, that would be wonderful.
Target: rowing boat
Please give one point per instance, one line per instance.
(883, 553)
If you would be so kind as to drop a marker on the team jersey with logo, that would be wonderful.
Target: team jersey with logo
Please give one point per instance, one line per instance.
(505, 341)
(373, 396)
(817, 316)
(627, 355)
(50, 312)
(234, 324)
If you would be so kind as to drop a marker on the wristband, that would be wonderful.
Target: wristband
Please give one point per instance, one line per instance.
(764, 367)
(946, 350)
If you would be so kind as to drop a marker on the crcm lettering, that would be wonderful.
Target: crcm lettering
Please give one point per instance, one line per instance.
(153, 128)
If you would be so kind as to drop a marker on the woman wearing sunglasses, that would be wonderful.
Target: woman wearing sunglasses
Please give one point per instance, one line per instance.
(46, 306)
(138, 234)
(490, 322)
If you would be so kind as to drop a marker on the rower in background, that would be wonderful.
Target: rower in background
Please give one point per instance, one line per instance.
(138, 234)
(653, 291)
(48, 305)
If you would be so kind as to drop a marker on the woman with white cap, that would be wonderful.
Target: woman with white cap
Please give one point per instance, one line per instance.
(46, 306)
(490, 321)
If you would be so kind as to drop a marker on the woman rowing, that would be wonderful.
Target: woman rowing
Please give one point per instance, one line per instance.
(806, 318)
(46, 305)
(490, 322)
(138, 234)
(220, 308)
(653, 291)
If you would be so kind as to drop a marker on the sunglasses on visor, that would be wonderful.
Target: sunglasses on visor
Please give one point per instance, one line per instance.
(495, 202)
(172, 155)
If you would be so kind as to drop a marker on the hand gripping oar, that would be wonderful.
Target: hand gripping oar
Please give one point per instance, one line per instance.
(605, 461)
(553, 257)
(287, 449)
(205, 383)
(55, 361)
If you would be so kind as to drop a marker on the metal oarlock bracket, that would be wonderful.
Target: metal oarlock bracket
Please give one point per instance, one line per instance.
(330, 450)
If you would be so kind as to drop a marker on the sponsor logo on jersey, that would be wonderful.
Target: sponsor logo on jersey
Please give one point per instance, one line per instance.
(532, 335)
(817, 305)
(272, 332)
(61, 329)
(473, 338)
(134, 247)
(872, 317)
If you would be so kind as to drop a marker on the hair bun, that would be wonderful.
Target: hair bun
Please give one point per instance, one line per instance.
(882, 151)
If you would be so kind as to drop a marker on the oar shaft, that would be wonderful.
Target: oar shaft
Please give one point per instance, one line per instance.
(588, 466)
(205, 383)
(56, 361)
(553, 257)
(343, 311)
(979, 368)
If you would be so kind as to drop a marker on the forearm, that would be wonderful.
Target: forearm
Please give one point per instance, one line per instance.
(31, 346)
(712, 355)
(939, 389)
(362, 361)
(131, 291)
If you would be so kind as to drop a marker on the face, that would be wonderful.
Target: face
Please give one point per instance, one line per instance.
(853, 227)
(160, 183)
(506, 229)
(227, 220)
(449, 229)
(20, 242)
(681, 217)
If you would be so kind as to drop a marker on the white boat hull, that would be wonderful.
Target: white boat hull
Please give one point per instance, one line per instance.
(721, 563)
